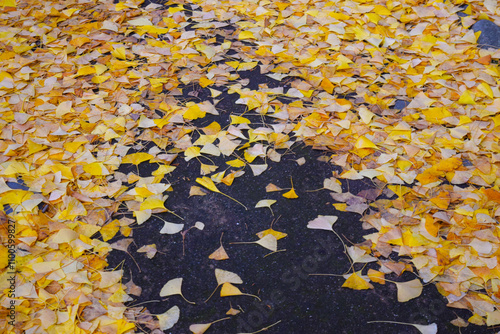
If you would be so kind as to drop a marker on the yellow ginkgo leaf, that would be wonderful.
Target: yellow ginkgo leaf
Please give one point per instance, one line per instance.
(153, 202)
(376, 276)
(364, 142)
(246, 35)
(193, 111)
(229, 290)
(219, 254)
(278, 235)
(237, 163)
(208, 183)
(136, 158)
(356, 282)
(4, 257)
(466, 98)
(239, 120)
(290, 194)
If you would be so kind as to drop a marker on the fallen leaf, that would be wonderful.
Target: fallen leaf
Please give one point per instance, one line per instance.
(168, 319)
(356, 282)
(322, 223)
(171, 228)
(409, 290)
(266, 203)
(173, 287)
(271, 187)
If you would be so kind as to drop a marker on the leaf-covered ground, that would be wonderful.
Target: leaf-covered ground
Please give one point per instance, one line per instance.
(108, 109)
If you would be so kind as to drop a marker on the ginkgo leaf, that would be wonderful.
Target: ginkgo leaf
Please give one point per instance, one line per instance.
(173, 287)
(171, 228)
(258, 169)
(424, 329)
(199, 328)
(168, 319)
(136, 158)
(364, 142)
(210, 185)
(278, 235)
(196, 191)
(301, 161)
(202, 328)
(333, 185)
(359, 255)
(142, 215)
(271, 187)
(268, 241)
(122, 244)
(376, 276)
(133, 289)
(266, 203)
(150, 250)
(223, 276)
(466, 98)
(290, 194)
(233, 311)
(356, 282)
(409, 290)
(230, 290)
(322, 223)
(219, 254)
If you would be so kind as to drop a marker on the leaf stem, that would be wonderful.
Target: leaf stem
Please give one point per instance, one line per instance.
(213, 322)
(212, 293)
(234, 200)
(190, 302)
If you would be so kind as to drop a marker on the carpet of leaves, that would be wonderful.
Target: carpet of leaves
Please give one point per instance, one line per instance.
(85, 85)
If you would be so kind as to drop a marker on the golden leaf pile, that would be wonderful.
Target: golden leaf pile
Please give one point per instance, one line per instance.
(83, 83)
